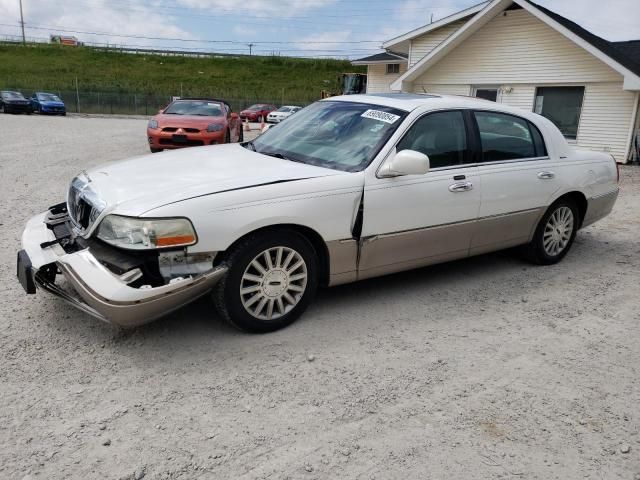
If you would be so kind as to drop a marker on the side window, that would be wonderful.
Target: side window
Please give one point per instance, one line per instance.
(504, 137)
(441, 136)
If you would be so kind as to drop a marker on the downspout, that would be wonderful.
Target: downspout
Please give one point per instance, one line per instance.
(633, 145)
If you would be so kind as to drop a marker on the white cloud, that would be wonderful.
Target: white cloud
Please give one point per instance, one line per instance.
(326, 40)
(612, 20)
(95, 16)
(267, 8)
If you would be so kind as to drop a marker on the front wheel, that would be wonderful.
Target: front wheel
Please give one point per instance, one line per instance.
(155, 150)
(272, 279)
(555, 233)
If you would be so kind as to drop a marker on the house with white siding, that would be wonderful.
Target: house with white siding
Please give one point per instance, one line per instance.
(522, 54)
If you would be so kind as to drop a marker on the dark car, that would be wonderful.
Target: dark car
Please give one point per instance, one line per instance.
(43, 102)
(14, 102)
(257, 112)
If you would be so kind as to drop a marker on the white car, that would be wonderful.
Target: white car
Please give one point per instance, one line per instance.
(282, 113)
(359, 186)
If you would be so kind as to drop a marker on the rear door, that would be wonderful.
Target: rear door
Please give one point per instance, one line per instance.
(518, 178)
(417, 220)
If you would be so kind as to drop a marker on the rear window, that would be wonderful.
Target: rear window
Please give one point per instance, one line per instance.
(507, 137)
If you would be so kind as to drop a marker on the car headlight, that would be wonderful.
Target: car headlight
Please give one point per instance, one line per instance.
(146, 233)
(153, 124)
(215, 127)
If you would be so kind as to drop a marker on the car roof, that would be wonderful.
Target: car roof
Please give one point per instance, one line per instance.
(411, 101)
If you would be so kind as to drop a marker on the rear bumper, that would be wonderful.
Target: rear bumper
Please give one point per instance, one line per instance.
(91, 287)
(160, 139)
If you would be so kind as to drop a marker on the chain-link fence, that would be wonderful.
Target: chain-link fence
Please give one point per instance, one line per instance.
(124, 103)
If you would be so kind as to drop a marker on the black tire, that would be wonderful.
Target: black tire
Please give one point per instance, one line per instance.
(155, 150)
(226, 295)
(535, 251)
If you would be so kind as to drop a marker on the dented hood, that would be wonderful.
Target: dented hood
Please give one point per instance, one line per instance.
(137, 185)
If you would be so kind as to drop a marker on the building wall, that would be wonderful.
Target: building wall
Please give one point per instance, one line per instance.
(422, 45)
(518, 48)
(519, 53)
(379, 81)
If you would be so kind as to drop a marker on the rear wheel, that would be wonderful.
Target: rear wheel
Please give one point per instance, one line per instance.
(272, 279)
(555, 233)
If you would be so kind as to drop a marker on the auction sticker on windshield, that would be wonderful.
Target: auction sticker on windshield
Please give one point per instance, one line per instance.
(381, 116)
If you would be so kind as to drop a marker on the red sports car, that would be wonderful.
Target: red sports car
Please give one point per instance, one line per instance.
(191, 122)
(257, 112)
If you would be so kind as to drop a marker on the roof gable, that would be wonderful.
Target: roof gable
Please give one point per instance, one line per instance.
(598, 47)
(397, 42)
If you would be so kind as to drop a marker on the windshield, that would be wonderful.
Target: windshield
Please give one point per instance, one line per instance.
(195, 107)
(283, 109)
(13, 95)
(48, 97)
(339, 135)
(255, 107)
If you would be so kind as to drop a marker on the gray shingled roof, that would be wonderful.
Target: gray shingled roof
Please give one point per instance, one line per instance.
(384, 57)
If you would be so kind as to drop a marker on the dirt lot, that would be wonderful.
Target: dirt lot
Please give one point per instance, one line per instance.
(478, 369)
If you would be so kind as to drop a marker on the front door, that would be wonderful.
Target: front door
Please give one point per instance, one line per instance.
(417, 220)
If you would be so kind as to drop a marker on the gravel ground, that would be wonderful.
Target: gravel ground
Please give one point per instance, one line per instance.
(477, 369)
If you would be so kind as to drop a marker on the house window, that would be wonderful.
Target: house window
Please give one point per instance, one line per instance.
(393, 68)
(561, 105)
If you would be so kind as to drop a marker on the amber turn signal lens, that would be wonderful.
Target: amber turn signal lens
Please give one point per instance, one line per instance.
(178, 240)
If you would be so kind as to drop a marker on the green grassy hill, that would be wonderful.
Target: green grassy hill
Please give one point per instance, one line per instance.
(241, 79)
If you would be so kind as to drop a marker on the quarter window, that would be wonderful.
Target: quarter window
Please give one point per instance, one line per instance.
(393, 68)
(561, 105)
(505, 137)
(441, 136)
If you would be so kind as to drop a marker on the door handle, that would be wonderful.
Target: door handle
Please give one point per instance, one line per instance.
(546, 175)
(461, 187)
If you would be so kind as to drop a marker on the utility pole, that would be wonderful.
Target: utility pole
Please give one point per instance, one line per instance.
(250, 45)
(24, 40)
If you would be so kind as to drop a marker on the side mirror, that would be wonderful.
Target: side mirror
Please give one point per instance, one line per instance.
(405, 162)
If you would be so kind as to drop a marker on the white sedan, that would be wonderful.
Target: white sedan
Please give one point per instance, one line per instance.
(282, 113)
(359, 186)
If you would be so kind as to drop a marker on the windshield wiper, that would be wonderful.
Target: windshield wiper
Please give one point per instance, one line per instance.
(277, 155)
(250, 145)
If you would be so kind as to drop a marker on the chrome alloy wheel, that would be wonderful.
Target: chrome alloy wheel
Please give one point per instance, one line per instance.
(273, 283)
(558, 231)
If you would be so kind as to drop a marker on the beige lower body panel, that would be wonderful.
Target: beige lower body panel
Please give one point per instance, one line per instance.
(504, 231)
(413, 249)
(343, 261)
(599, 207)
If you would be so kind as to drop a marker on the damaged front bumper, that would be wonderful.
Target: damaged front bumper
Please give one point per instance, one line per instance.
(89, 285)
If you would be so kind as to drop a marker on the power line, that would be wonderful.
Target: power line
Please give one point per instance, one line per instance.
(59, 28)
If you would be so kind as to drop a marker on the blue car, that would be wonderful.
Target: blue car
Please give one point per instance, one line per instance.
(43, 102)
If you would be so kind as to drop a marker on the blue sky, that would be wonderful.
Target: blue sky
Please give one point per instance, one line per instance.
(337, 28)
